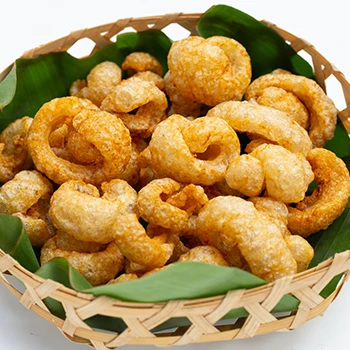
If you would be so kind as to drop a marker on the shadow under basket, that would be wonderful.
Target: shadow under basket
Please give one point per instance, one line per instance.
(203, 314)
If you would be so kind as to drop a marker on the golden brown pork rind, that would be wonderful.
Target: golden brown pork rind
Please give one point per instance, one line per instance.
(204, 254)
(106, 132)
(260, 241)
(322, 111)
(14, 155)
(141, 62)
(210, 71)
(143, 96)
(99, 82)
(196, 152)
(98, 268)
(328, 200)
(27, 196)
(267, 122)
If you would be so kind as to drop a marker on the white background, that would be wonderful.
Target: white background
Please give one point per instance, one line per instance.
(26, 24)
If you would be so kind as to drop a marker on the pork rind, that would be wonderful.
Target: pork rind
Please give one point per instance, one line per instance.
(139, 104)
(328, 200)
(210, 71)
(14, 155)
(267, 122)
(141, 62)
(260, 241)
(180, 104)
(277, 211)
(125, 277)
(78, 210)
(27, 196)
(103, 130)
(321, 109)
(174, 212)
(98, 83)
(151, 78)
(204, 254)
(195, 152)
(98, 268)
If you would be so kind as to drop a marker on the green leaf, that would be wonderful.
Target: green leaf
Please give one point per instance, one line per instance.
(14, 241)
(49, 76)
(340, 143)
(335, 239)
(267, 50)
(8, 88)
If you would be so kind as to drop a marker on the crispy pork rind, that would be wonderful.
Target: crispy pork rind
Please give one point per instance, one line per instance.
(143, 96)
(78, 210)
(27, 196)
(174, 212)
(99, 82)
(322, 111)
(180, 104)
(285, 175)
(328, 200)
(204, 254)
(246, 175)
(125, 277)
(260, 241)
(101, 129)
(277, 211)
(267, 122)
(141, 62)
(67, 242)
(210, 71)
(151, 78)
(195, 152)
(98, 268)
(14, 155)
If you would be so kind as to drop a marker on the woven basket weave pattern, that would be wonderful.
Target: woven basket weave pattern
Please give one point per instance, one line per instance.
(140, 318)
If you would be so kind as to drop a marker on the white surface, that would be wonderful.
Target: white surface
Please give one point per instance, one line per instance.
(26, 24)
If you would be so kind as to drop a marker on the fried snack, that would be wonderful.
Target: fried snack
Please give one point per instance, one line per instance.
(141, 62)
(267, 122)
(301, 250)
(204, 254)
(125, 277)
(246, 175)
(69, 243)
(78, 210)
(131, 174)
(106, 132)
(210, 71)
(252, 145)
(286, 102)
(100, 81)
(152, 78)
(174, 212)
(14, 156)
(328, 200)
(195, 152)
(98, 268)
(287, 175)
(27, 196)
(323, 114)
(259, 239)
(180, 104)
(277, 211)
(143, 96)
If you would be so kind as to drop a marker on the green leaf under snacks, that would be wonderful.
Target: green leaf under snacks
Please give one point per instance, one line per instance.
(14, 241)
(340, 143)
(39, 80)
(267, 49)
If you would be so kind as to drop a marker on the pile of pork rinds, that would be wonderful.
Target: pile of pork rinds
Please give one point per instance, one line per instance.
(127, 176)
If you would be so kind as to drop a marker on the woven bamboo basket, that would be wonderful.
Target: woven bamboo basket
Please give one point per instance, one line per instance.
(204, 313)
